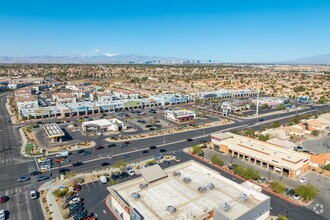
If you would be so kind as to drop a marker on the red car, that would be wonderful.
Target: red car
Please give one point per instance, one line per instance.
(76, 187)
(3, 199)
(99, 148)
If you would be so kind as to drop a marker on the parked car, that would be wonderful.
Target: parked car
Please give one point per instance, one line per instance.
(23, 179)
(103, 179)
(303, 179)
(41, 178)
(33, 194)
(115, 176)
(67, 200)
(289, 192)
(2, 214)
(76, 187)
(166, 162)
(74, 200)
(130, 172)
(296, 197)
(261, 179)
(59, 159)
(77, 164)
(123, 175)
(162, 150)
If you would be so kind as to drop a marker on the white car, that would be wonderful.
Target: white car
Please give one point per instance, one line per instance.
(130, 172)
(74, 200)
(33, 194)
(296, 197)
(303, 179)
(2, 214)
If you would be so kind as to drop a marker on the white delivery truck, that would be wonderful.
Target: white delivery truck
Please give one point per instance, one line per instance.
(103, 179)
(63, 154)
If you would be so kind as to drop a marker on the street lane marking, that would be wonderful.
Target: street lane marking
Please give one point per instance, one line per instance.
(105, 212)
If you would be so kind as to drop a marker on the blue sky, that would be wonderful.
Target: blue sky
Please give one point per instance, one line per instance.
(231, 30)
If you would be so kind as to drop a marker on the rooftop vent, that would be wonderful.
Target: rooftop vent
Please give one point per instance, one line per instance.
(210, 186)
(186, 180)
(171, 209)
(176, 173)
(143, 185)
(202, 189)
(135, 195)
(225, 207)
(244, 197)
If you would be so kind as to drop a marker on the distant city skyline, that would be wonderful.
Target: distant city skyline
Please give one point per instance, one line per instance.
(225, 31)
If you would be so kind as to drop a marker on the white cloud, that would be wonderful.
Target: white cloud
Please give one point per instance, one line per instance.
(110, 54)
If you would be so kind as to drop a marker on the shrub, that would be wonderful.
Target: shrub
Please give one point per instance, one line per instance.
(60, 192)
(216, 160)
(247, 173)
(307, 192)
(197, 149)
(66, 215)
(277, 187)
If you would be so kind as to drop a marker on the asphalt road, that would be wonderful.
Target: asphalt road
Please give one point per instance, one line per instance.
(13, 165)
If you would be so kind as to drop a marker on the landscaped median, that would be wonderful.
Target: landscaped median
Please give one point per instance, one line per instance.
(307, 192)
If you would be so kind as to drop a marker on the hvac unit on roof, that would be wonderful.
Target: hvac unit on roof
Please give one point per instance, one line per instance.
(186, 180)
(135, 195)
(176, 173)
(171, 209)
(202, 188)
(210, 186)
(143, 185)
(244, 197)
(225, 206)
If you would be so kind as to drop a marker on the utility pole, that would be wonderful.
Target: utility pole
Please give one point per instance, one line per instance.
(257, 110)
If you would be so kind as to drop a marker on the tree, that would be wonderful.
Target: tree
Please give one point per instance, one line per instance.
(315, 133)
(281, 217)
(276, 124)
(265, 137)
(197, 149)
(326, 167)
(265, 106)
(307, 192)
(216, 160)
(120, 164)
(277, 187)
(280, 107)
(60, 192)
(247, 173)
(249, 132)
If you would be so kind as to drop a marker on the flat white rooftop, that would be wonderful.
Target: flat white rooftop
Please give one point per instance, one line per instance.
(53, 130)
(100, 122)
(189, 202)
(270, 149)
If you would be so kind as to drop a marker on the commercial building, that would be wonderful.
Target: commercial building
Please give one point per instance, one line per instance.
(270, 156)
(54, 132)
(26, 102)
(234, 106)
(103, 125)
(125, 94)
(180, 115)
(185, 191)
(270, 101)
(62, 97)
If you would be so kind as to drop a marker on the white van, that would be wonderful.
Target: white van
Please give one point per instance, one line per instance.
(103, 179)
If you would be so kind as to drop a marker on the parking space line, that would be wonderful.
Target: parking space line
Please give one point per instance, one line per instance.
(94, 184)
(88, 187)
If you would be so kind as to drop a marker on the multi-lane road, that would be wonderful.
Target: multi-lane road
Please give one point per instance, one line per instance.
(13, 165)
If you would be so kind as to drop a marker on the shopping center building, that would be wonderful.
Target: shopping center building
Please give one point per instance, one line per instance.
(188, 190)
(273, 157)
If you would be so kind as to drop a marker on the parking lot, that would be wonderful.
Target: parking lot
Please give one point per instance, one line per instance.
(94, 195)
